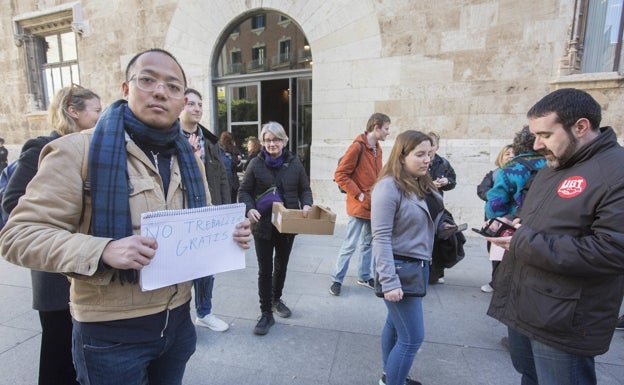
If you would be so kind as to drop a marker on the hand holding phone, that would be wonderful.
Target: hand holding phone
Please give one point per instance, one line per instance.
(495, 228)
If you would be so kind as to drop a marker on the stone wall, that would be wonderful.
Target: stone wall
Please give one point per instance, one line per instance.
(466, 69)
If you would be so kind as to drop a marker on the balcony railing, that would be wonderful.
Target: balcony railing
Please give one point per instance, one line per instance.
(282, 60)
(257, 65)
(235, 68)
(305, 55)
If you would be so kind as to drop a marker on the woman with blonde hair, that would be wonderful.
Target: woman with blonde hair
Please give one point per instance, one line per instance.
(504, 155)
(72, 109)
(404, 207)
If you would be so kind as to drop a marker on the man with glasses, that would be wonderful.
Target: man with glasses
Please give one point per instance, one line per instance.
(356, 174)
(559, 286)
(137, 161)
(205, 144)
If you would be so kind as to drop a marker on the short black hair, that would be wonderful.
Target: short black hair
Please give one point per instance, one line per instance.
(137, 56)
(570, 105)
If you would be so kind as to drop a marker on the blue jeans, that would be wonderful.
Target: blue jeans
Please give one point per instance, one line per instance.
(157, 362)
(544, 365)
(401, 337)
(357, 229)
(203, 295)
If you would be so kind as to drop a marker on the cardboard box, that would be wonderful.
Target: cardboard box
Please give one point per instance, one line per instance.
(321, 220)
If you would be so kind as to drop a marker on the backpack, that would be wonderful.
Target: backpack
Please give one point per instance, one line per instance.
(357, 162)
(4, 181)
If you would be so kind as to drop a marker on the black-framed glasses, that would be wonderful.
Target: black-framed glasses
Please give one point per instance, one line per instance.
(149, 83)
(70, 94)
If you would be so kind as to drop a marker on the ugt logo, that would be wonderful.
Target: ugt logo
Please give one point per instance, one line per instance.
(572, 187)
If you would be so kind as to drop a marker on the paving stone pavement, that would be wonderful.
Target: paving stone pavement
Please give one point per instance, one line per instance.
(327, 341)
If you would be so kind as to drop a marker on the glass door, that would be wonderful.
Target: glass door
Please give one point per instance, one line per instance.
(239, 111)
(302, 112)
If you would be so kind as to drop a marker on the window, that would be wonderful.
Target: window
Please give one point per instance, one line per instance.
(258, 21)
(48, 41)
(284, 51)
(602, 42)
(595, 43)
(60, 68)
(237, 62)
(258, 55)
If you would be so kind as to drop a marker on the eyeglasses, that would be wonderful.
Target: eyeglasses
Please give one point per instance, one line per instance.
(274, 140)
(70, 94)
(149, 83)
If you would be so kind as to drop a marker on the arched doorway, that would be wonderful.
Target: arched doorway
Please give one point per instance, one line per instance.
(264, 73)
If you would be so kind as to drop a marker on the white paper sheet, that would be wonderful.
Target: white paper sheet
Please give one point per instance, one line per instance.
(496, 253)
(192, 243)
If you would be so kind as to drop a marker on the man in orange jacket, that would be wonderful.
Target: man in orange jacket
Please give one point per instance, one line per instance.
(356, 174)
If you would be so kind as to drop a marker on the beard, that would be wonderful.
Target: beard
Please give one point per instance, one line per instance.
(553, 161)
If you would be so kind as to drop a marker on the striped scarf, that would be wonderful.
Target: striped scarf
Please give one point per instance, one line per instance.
(108, 172)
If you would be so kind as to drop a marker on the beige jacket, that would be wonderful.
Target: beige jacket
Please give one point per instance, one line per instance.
(43, 231)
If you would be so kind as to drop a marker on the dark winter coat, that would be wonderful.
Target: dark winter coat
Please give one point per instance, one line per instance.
(216, 174)
(293, 185)
(50, 290)
(562, 280)
(441, 167)
(486, 184)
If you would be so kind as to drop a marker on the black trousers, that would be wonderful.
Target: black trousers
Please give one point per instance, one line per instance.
(272, 271)
(56, 366)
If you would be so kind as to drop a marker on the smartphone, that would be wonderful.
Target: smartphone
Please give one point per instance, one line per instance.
(503, 230)
(462, 227)
(479, 231)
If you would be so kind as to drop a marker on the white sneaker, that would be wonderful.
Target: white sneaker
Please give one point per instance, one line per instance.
(441, 280)
(487, 288)
(212, 322)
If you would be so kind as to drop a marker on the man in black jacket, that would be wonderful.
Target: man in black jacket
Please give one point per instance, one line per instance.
(205, 144)
(559, 287)
(444, 178)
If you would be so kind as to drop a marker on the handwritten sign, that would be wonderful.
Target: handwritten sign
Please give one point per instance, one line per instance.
(192, 243)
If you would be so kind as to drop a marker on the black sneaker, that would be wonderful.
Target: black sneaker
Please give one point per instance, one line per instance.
(264, 324)
(408, 381)
(334, 289)
(281, 309)
(369, 284)
(620, 323)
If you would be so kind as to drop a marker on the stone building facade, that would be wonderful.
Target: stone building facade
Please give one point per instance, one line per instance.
(467, 69)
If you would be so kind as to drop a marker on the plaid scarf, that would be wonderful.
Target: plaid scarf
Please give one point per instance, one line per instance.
(108, 172)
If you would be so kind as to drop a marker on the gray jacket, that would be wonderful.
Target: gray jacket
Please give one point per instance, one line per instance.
(400, 225)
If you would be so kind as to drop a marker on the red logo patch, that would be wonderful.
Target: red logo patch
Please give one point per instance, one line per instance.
(572, 187)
